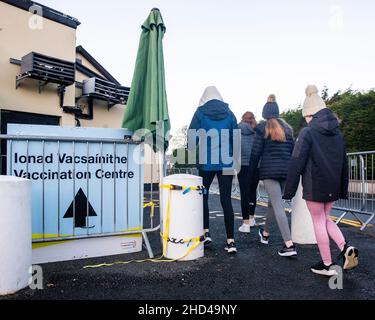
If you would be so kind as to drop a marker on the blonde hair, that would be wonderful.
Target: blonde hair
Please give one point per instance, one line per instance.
(275, 131)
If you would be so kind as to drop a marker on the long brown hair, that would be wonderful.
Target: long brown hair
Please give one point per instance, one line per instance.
(275, 131)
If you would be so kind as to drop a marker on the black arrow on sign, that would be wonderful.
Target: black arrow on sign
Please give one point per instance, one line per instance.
(81, 213)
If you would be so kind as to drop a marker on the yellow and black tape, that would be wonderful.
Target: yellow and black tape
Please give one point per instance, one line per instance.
(166, 236)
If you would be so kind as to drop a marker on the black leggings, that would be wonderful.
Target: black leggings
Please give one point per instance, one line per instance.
(225, 186)
(248, 187)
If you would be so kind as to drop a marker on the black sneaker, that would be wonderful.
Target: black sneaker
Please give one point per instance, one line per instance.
(288, 252)
(207, 239)
(231, 248)
(263, 239)
(349, 257)
(324, 270)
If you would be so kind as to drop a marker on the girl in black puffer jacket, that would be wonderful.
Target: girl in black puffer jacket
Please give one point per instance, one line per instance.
(272, 151)
(320, 158)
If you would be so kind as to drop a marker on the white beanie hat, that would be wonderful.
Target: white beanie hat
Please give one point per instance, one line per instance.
(313, 103)
(211, 93)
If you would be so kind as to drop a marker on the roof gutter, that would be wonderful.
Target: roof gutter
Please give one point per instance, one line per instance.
(45, 12)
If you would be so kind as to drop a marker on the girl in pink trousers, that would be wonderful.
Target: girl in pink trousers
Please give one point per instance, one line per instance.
(320, 158)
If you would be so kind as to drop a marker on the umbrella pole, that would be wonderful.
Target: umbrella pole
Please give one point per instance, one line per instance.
(161, 179)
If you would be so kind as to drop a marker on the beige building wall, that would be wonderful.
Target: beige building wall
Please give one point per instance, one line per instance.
(151, 167)
(56, 40)
(17, 39)
(86, 63)
(103, 118)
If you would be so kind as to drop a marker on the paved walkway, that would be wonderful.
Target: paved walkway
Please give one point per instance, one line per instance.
(257, 272)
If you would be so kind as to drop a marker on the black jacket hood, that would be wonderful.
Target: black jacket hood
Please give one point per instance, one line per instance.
(215, 110)
(326, 123)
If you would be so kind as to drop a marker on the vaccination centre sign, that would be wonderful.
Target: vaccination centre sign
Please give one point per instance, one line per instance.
(85, 185)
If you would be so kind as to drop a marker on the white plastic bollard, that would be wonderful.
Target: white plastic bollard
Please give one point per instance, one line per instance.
(302, 225)
(186, 217)
(15, 234)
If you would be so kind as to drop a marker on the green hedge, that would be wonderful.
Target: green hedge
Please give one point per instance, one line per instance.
(356, 110)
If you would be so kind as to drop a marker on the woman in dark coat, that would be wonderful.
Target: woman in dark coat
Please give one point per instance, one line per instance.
(320, 158)
(272, 151)
(248, 182)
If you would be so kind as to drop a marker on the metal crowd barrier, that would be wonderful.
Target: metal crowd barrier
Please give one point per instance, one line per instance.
(236, 193)
(361, 200)
(115, 145)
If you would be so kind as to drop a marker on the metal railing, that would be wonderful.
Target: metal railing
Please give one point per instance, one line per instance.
(361, 196)
(236, 193)
(361, 200)
(123, 220)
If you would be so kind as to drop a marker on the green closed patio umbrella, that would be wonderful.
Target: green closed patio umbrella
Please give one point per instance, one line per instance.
(147, 107)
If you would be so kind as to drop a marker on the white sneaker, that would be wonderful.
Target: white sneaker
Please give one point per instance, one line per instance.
(245, 228)
(231, 248)
(263, 239)
(252, 223)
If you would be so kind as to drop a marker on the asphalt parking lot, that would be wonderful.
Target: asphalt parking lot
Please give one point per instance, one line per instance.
(255, 273)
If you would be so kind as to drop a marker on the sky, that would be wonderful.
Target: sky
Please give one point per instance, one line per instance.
(248, 49)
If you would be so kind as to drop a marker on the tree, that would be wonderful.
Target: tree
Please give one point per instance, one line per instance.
(179, 140)
(325, 93)
(356, 111)
(178, 150)
(295, 120)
